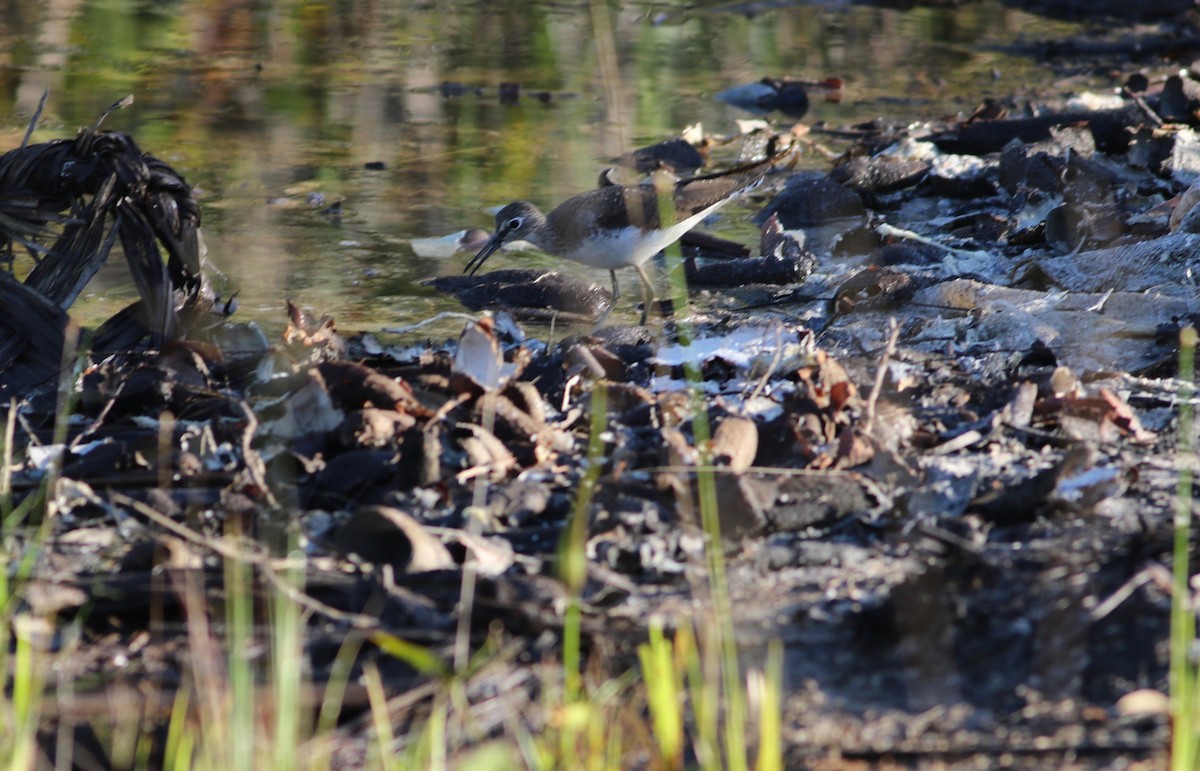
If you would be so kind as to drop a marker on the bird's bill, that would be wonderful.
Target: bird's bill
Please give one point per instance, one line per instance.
(487, 251)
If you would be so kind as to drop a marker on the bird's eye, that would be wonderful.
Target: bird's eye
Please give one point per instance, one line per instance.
(513, 223)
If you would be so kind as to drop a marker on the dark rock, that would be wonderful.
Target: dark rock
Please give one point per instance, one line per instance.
(676, 153)
(880, 174)
(750, 503)
(1109, 129)
(1179, 100)
(1093, 9)
(526, 292)
(812, 199)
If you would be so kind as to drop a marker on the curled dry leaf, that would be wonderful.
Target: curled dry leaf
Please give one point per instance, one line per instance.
(735, 443)
(382, 535)
(372, 427)
(597, 361)
(489, 556)
(307, 331)
(854, 449)
(1100, 418)
(679, 450)
(519, 424)
(354, 386)
(1121, 414)
(528, 398)
(827, 384)
(478, 357)
(486, 454)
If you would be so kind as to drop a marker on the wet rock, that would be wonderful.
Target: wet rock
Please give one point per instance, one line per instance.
(1062, 165)
(676, 153)
(791, 269)
(750, 503)
(1159, 263)
(812, 199)
(875, 287)
(1006, 503)
(1090, 332)
(1107, 127)
(509, 93)
(451, 89)
(960, 176)
(527, 293)
(1025, 165)
(880, 173)
(1179, 100)
(1070, 228)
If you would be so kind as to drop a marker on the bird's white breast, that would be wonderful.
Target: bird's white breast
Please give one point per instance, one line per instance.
(631, 245)
(615, 249)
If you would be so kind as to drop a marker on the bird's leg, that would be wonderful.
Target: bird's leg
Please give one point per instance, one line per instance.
(648, 296)
(616, 292)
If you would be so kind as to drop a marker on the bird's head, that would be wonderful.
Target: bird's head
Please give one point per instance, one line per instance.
(518, 221)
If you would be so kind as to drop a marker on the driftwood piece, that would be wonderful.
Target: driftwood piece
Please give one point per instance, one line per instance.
(1108, 127)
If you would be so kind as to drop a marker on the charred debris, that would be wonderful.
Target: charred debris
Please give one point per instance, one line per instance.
(941, 393)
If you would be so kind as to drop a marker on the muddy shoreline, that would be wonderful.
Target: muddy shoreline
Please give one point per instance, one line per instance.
(937, 416)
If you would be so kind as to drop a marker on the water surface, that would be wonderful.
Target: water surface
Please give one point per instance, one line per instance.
(276, 110)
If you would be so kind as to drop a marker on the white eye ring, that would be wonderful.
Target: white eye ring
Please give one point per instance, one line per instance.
(513, 223)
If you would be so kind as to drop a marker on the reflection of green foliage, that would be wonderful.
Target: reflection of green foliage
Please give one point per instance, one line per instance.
(248, 98)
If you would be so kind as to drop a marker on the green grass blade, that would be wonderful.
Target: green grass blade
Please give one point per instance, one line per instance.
(418, 657)
(663, 695)
(1183, 621)
(770, 711)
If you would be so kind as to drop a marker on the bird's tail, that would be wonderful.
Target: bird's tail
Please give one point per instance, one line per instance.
(704, 190)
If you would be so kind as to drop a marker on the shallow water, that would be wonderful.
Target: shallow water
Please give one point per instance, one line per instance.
(276, 110)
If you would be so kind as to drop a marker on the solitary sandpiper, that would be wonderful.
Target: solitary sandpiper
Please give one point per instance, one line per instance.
(618, 226)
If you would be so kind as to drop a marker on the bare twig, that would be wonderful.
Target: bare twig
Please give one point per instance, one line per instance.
(269, 567)
(775, 360)
(1137, 99)
(1152, 573)
(37, 115)
(254, 462)
(880, 372)
(120, 104)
